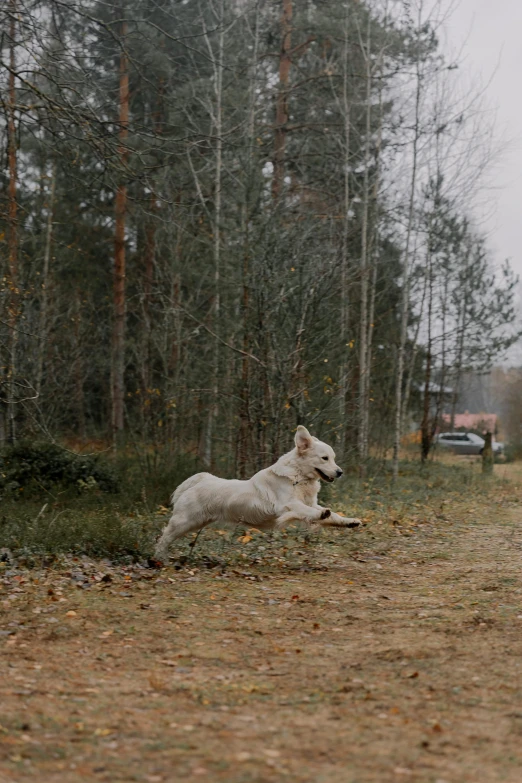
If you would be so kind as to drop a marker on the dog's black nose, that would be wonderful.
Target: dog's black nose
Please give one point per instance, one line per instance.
(339, 472)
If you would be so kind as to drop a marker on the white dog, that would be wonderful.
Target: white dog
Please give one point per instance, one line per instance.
(285, 492)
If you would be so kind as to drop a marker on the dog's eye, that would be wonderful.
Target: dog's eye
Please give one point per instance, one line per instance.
(325, 457)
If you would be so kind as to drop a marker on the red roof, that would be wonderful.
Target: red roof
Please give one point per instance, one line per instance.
(484, 422)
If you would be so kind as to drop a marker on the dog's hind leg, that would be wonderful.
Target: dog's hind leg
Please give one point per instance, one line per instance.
(178, 526)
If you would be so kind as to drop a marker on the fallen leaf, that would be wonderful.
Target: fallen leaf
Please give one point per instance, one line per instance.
(102, 732)
(71, 613)
(156, 683)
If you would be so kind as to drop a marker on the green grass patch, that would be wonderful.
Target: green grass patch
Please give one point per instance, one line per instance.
(51, 513)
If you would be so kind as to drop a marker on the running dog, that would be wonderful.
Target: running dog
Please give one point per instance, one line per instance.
(276, 496)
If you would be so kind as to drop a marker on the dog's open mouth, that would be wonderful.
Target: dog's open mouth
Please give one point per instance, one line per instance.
(324, 476)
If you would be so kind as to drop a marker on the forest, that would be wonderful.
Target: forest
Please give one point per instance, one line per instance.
(221, 219)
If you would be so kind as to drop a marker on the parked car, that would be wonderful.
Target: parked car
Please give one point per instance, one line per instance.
(466, 443)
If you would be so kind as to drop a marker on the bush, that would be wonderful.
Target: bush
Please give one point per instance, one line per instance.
(33, 467)
(513, 452)
(56, 512)
(28, 530)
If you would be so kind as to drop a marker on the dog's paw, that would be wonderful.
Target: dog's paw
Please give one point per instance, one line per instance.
(353, 523)
(325, 514)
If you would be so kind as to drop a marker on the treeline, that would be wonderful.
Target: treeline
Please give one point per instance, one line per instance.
(220, 219)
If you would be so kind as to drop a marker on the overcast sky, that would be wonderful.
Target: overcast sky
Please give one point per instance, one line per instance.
(488, 35)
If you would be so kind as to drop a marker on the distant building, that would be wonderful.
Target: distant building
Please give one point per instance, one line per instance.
(479, 422)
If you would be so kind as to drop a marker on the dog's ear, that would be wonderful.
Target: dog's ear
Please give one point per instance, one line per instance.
(303, 439)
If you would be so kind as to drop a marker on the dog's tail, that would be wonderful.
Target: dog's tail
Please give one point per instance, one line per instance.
(190, 482)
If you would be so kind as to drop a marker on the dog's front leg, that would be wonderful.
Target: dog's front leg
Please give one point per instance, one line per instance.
(296, 511)
(336, 520)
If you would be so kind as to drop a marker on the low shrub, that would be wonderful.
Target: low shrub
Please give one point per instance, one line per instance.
(36, 467)
(29, 529)
(111, 505)
(513, 452)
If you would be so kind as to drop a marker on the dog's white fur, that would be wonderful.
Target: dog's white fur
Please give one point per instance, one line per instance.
(286, 492)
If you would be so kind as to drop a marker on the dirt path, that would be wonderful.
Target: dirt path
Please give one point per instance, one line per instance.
(400, 662)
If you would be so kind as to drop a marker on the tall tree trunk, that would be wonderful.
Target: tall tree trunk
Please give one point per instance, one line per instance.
(282, 101)
(371, 251)
(441, 395)
(150, 257)
(218, 71)
(462, 325)
(345, 305)
(362, 439)
(148, 280)
(118, 333)
(414, 352)
(488, 458)
(79, 368)
(405, 293)
(369, 342)
(14, 294)
(425, 424)
(44, 303)
(244, 443)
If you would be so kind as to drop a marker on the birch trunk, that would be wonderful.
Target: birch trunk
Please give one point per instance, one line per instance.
(148, 280)
(405, 296)
(244, 413)
(425, 424)
(218, 71)
(414, 351)
(373, 252)
(14, 298)
(460, 341)
(345, 305)
(118, 334)
(44, 303)
(362, 439)
(282, 101)
(79, 368)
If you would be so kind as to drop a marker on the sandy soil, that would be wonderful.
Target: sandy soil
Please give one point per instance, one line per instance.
(389, 654)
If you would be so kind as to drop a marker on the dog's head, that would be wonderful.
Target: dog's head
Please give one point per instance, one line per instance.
(316, 459)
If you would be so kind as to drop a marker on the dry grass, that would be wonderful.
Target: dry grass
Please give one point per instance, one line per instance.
(388, 654)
